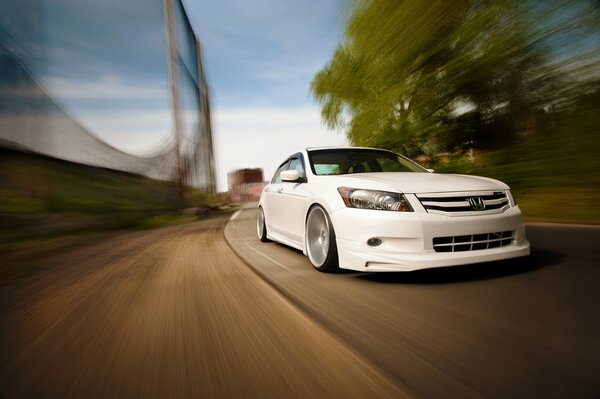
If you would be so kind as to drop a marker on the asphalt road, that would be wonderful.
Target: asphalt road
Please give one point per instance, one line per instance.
(511, 329)
(169, 313)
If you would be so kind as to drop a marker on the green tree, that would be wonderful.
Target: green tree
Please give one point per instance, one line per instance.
(431, 75)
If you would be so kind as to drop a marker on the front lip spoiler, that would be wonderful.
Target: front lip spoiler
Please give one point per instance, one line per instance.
(372, 261)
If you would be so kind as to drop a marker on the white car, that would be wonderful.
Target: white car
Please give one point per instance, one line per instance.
(374, 210)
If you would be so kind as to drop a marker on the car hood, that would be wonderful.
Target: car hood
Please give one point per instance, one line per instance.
(415, 183)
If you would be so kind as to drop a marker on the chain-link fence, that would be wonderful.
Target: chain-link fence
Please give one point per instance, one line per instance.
(67, 68)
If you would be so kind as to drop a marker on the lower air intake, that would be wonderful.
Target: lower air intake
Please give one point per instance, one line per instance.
(472, 242)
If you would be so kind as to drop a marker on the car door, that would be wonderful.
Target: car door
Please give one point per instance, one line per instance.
(295, 197)
(272, 201)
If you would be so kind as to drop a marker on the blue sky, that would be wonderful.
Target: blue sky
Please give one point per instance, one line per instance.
(264, 52)
(260, 57)
(105, 63)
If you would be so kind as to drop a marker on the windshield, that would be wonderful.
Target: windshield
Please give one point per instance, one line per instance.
(349, 161)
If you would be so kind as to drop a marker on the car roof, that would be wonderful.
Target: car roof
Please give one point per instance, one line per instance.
(342, 148)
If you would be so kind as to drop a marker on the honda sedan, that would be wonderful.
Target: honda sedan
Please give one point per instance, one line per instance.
(374, 210)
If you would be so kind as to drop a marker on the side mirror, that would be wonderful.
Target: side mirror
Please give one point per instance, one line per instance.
(430, 170)
(290, 175)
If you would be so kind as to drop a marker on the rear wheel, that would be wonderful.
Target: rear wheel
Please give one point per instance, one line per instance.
(320, 241)
(261, 226)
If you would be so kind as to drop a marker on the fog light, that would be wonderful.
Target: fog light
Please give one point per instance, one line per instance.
(373, 242)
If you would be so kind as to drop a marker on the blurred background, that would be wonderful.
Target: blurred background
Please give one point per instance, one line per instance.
(107, 121)
(117, 116)
(104, 117)
(504, 89)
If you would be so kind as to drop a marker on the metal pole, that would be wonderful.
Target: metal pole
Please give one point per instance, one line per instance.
(206, 116)
(173, 70)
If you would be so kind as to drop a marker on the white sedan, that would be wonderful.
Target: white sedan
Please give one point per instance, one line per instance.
(373, 210)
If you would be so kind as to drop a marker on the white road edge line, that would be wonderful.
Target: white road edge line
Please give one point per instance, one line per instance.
(268, 257)
(236, 214)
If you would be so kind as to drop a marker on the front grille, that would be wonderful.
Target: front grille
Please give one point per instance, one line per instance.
(464, 203)
(472, 242)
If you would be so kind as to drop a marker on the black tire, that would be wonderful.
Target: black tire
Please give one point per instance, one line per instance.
(261, 227)
(316, 216)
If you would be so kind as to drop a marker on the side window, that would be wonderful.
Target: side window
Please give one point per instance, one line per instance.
(297, 164)
(277, 176)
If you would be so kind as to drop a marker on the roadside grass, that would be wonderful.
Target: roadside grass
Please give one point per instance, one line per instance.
(579, 206)
(48, 206)
(548, 198)
(554, 175)
(35, 184)
(43, 199)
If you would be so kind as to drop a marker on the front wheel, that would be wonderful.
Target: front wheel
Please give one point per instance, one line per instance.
(320, 241)
(261, 226)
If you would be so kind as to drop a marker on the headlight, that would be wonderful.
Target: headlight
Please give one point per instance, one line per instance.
(371, 199)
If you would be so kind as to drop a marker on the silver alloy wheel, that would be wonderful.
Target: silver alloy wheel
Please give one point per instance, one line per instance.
(317, 236)
(260, 223)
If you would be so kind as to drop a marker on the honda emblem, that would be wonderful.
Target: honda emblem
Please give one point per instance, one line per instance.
(477, 203)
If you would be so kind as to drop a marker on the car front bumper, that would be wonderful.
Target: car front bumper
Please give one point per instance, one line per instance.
(407, 238)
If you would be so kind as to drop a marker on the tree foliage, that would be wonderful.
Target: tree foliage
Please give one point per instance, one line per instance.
(427, 76)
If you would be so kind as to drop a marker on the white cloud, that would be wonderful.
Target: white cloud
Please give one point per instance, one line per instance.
(105, 87)
(138, 132)
(264, 137)
(260, 58)
(272, 117)
(117, 110)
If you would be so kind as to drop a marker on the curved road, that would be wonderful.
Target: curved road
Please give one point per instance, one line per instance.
(175, 313)
(168, 313)
(520, 328)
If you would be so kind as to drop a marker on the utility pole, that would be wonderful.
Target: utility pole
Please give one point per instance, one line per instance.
(207, 139)
(173, 70)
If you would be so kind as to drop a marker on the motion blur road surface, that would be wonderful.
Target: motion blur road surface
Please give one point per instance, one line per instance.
(168, 313)
(174, 312)
(511, 329)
